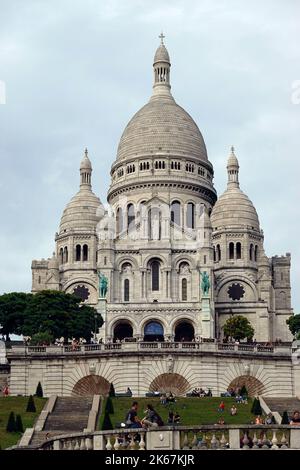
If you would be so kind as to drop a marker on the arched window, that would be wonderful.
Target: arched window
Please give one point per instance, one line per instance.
(153, 331)
(256, 254)
(130, 216)
(155, 267)
(251, 252)
(85, 253)
(184, 289)
(238, 250)
(190, 215)
(154, 223)
(119, 221)
(218, 253)
(215, 254)
(61, 255)
(231, 250)
(78, 253)
(175, 212)
(126, 290)
(66, 254)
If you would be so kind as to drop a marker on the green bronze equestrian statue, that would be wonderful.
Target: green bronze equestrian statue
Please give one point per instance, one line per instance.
(103, 285)
(205, 284)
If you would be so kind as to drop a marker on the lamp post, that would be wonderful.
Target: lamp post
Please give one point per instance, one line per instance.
(95, 329)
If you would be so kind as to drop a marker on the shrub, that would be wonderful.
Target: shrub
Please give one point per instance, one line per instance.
(285, 418)
(44, 338)
(112, 392)
(107, 424)
(19, 424)
(257, 408)
(109, 408)
(39, 391)
(253, 405)
(11, 423)
(31, 405)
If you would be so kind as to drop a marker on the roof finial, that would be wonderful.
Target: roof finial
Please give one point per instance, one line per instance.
(86, 152)
(232, 149)
(161, 37)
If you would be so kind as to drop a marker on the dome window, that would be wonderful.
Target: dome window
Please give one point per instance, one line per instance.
(190, 215)
(130, 217)
(175, 212)
(78, 253)
(256, 254)
(238, 250)
(85, 253)
(231, 250)
(251, 252)
(61, 255)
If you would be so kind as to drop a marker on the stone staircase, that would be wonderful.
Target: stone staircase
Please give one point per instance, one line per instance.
(283, 404)
(70, 414)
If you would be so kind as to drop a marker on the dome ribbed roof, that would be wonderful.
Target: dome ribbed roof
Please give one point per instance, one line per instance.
(81, 212)
(234, 209)
(162, 126)
(161, 54)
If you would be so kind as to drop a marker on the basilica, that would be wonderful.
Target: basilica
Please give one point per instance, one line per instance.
(163, 230)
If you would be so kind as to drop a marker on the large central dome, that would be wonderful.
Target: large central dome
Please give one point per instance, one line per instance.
(161, 126)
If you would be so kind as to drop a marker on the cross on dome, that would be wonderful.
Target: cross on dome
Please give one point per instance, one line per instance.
(161, 37)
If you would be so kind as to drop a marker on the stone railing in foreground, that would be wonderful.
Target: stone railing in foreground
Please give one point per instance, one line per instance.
(209, 437)
(162, 347)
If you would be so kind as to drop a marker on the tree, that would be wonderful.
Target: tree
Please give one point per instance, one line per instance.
(112, 392)
(244, 391)
(11, 423)
(44, 338)
(254, 405)
(238, 327)
(39, 390)
(285, 418)
(294, 324)
(31, 405)
(19, 424)
(107, 424)
(59, 314)
(257, 411)
(109, 408)
(12, 309)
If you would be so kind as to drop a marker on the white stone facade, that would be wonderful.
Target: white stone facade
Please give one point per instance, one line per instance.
(165, 217)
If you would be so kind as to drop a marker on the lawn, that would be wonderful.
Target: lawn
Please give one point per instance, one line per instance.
(193, 411)
(18, 406)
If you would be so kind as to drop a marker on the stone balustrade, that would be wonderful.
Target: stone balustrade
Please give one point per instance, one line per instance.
(204, 437)
(104, 348)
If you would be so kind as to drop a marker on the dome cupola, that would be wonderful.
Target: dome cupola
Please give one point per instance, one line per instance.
(82, 212)
(234, 209)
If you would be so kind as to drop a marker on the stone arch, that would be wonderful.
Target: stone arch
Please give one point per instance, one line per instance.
(252, 384)
(127, 259)
(170, 382)
(251, 293)
(128, 329)
(184, 259)
(151, 256)
(91, 385)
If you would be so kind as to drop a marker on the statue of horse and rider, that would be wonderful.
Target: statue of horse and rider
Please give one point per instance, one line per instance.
(205, 283)
(103, 285)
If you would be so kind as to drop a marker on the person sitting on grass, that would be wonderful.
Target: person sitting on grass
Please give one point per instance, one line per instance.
(130, 419)
(233, 410)
(152, 418)
(295, 421)
(171, 417)
(221, 407)
(221, 422)
(258, 420)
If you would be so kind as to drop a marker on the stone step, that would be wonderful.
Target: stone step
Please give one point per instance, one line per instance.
(42, 436)
(69, 414)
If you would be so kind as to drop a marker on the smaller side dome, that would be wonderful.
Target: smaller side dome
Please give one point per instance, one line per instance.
(234, 209)
(84, 210)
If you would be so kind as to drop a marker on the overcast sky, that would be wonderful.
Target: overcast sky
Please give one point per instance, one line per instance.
(76, 71)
